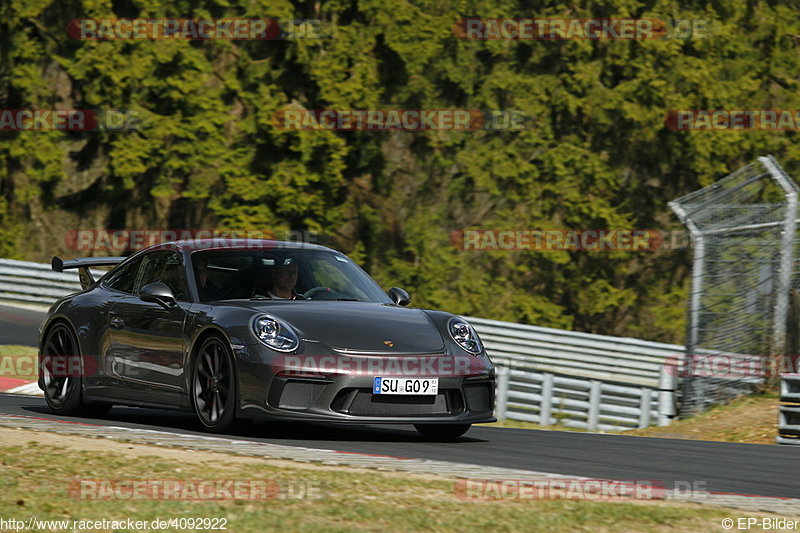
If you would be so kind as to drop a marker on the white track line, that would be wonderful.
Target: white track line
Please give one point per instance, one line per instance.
(29, 389)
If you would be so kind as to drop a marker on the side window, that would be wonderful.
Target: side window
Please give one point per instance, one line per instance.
(217, 274)
(124, 279)
(165, 267)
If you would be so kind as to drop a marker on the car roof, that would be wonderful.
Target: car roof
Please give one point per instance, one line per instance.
(194, 245)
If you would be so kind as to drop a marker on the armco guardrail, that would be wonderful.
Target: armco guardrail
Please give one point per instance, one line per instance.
(789, 415)
(601, 357)
(546, 398)
(34, 283)
(583, 380)
(544, 375)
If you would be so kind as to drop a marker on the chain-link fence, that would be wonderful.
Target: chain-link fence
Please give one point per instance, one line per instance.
(742, 229)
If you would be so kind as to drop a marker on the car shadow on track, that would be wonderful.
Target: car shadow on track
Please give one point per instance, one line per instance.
(276, 431)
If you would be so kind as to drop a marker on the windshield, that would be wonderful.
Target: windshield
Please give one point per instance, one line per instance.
(290, 274)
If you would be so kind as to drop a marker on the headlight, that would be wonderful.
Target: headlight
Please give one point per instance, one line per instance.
(275, 333)
(465, 335)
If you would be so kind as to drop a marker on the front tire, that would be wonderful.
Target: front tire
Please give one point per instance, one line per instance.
(442, 432)
(214, 386)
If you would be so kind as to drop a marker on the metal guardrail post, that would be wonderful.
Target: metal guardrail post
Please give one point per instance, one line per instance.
(667, 384)
(645, 401)
(790, 388)
(502, 374)
(546, 407)
(594, 404)
(789, 415)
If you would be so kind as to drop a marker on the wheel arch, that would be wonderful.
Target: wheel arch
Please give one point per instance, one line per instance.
(202, 335)
(53, 322)
(199, 339)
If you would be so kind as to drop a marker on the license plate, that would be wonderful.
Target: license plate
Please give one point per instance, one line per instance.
(418, 386)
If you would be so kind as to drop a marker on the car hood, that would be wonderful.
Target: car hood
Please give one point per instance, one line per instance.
(359, 327)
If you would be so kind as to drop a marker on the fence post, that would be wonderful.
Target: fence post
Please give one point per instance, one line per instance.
(594, 404)
(645, 404)
(781, 304)
(501, 398)
(546, 407)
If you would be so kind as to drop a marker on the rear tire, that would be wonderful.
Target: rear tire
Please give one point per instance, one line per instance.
(213, 386)
(61, 392)
(442, 432)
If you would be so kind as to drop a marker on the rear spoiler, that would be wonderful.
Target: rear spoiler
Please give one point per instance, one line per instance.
(83, 264)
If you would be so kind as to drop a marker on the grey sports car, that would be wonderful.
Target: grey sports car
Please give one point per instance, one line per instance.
(247, 329)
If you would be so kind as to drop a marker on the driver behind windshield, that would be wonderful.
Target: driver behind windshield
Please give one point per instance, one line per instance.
(284, 278)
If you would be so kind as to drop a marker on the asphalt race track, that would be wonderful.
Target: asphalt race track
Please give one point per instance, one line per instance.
(19, 326)
(752, 469)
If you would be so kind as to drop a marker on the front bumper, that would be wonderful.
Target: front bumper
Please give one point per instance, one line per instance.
(348, 397)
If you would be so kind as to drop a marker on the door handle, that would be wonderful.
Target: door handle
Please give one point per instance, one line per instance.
(117, 322)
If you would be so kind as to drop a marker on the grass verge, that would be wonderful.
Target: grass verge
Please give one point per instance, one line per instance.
(18, 361)
(37, 469)
(750, 419)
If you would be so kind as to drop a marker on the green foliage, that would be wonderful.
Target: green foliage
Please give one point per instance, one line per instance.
(597, 153)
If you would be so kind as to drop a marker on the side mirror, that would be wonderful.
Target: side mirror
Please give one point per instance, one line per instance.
(399, 296)
(157, 292)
